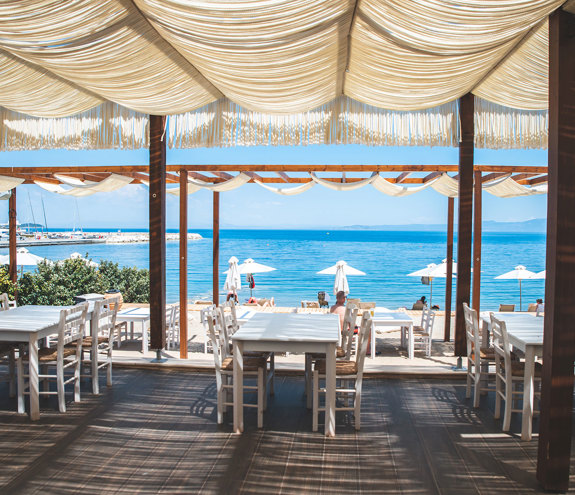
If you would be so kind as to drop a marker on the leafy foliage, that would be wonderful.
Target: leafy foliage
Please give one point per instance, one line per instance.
(60, 283)
(6, 284)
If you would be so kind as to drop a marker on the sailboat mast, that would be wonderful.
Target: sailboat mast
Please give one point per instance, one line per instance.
(44, 210)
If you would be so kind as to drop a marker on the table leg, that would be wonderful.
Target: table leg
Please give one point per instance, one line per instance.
(527, 423)
(238, 387)
(34, 390)
(131, 330)
(410, 341)
(330, 384)
(145, 336)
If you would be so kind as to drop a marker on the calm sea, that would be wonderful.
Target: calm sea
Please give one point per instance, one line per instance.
(386, 258)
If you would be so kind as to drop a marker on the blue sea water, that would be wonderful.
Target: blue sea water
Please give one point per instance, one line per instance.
(385, 256)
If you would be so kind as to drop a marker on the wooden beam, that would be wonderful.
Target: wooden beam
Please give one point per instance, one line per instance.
(12, 234)
(183, 265)
(223, 175)
(157, 233)
(466, 104)
(401, 177)
(216, 250)
(511, 169)
(431, 176)
(449, 274)
(253, 175)
(539, 180)
(493, 176)
(284, 176)
(477, 233)
(518, 177)
(556, 421)
(172, 178)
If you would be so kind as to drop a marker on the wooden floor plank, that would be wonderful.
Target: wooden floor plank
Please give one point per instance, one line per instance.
(156, 432)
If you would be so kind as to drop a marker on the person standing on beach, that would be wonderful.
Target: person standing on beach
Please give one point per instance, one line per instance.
(339, 307)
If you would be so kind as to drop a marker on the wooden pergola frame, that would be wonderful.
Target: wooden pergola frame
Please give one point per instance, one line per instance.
(559, 339)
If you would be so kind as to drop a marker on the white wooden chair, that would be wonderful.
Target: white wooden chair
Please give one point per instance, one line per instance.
(343, 351)
(422, 335)
(350, 375)
(172, 325)
(100, 344)
(416, 328)
(204, 321)
(70, 330)
(509, 373)
(254, 367)
(478, 358)
(8, 349)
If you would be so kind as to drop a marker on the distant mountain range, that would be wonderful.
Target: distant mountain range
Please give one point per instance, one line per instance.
(537, 225)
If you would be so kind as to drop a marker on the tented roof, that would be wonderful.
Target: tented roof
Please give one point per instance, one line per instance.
(276, 57)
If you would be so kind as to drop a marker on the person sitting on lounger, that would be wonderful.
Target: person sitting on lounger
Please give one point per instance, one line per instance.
(339, 307)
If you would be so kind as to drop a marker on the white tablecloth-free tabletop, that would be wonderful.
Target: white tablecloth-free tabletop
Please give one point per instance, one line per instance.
(525, 332)
(287, 332)
(392, 319)
(29, 324)
(133, 315)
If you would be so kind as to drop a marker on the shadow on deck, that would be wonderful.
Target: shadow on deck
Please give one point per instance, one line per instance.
(156, 431)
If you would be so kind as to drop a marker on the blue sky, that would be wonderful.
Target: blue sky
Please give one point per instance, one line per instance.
(253, 206)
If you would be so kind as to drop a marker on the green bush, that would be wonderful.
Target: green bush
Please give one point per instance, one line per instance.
(6, 284)
(59, 283)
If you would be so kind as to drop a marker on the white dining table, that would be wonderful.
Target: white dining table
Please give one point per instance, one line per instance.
(391, 320)
(136, 315)
(525, 333)
(29, 324)
(287, 332)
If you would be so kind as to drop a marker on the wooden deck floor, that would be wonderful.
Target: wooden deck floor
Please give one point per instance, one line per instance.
(155, 432)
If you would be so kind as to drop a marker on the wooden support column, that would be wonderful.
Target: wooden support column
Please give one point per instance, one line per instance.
(555, 424)
(216, 249)
(463, 290)
(12, 233)
(477, 199)
(449, 274)
(183, 264)
(157, 233)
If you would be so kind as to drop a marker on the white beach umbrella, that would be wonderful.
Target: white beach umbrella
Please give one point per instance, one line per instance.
(539, 276)
(249, 267)
(432, 271)
(519, 273)
(341, 270)
(23, 258)
(233, 279)
(78, 256)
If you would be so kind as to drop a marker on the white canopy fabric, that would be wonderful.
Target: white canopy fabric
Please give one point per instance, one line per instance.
(287, 191)
(519, 273)
(272, 57)
(250, 266)
(7, 183)
(338, 186)
(228, 185)
(508, 188)
(448, 186)
(111, 183)
(341, 270)
(397, 190)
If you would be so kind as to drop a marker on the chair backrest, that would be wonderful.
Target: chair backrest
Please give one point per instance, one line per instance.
(354, 300)
(4, 302)
(309, 304)
(366, 305)
(418, 305)
(472, 331)
(321, 299)
(169, 315)
(501, 341)
(362, 341)
(104, 317)
(204, 312)
(230, 317)
(506, 308)
(348, 328)
(214, 332)
(430, 322)
(72, 325)
(424, 317)
(532, 308)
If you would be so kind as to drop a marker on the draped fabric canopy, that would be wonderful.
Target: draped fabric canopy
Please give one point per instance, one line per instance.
(274, 57)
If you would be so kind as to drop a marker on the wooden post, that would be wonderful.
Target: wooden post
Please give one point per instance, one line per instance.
(449, 274)
(183, 264)
(157, 233)
(555, 423)
(462, 294)
(12, 233)
(216, 249)
(477, 241)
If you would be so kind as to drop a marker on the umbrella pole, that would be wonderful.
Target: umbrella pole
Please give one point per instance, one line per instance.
(430, 292)
(520, 300)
